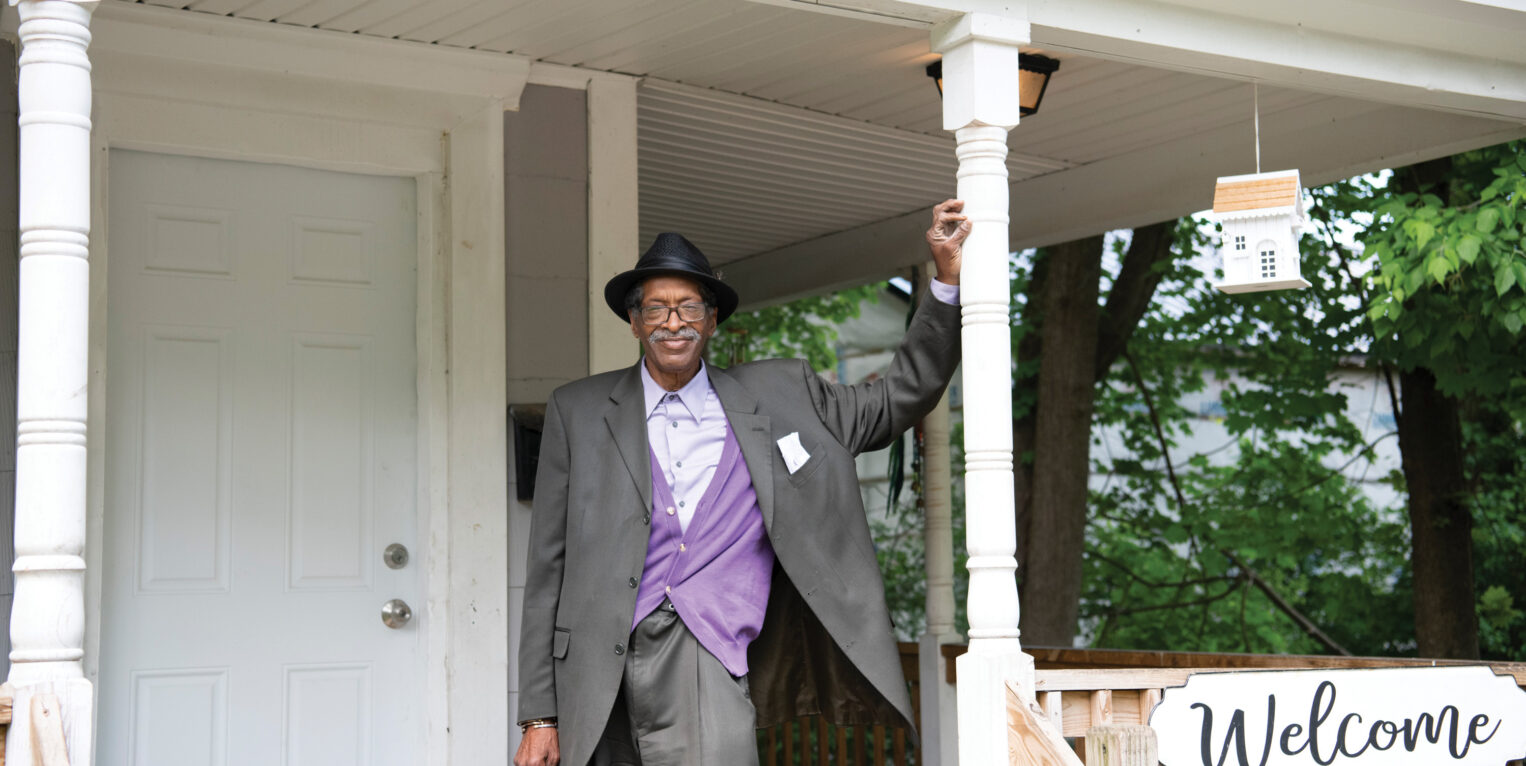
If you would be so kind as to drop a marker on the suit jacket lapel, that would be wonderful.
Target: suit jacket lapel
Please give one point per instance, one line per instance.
(627, 424)
(753, 436)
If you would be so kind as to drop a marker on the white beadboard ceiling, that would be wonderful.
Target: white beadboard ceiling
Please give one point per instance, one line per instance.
(763, 126)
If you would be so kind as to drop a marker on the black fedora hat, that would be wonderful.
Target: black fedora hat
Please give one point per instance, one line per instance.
(671, 255)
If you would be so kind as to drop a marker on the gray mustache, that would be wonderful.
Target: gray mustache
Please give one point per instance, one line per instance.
(683, 333)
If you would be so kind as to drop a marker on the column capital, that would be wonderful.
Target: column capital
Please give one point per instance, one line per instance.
(983, 27)
(980, 69)
(87, 4)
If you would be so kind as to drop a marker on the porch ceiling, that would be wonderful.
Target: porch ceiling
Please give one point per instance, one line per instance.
(802, 148)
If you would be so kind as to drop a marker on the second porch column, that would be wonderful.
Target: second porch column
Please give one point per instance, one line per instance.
(48, 614)
(938, 725)
(980, 104)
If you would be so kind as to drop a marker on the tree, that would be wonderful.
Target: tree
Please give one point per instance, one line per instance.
(1274, 550)
(1449, 303)
(1065, 344)
(805, 328)
(1259, 544)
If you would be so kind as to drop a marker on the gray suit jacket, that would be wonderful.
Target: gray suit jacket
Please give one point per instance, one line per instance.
(826, 646)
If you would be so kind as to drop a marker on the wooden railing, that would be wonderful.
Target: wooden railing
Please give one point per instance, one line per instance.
(812, 741)
(1081, 689)
(1078, 690)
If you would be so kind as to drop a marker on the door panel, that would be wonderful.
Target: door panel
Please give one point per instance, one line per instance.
(261, 453)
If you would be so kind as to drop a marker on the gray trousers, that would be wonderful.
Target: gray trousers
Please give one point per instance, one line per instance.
(678, 705)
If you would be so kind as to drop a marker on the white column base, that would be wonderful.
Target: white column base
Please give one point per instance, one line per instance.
(984, 672)
(940, 709)
(76, 701)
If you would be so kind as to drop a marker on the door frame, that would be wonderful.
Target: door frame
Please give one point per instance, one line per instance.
(364, 106)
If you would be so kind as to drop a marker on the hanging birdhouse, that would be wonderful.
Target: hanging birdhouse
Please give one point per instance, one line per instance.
(1261, 214)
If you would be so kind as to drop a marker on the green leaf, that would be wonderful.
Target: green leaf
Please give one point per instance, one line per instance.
(1438, 268)
(1421, 231)
(1413, 281)
(1467, 249)
(1487, 218)
(1512, 322)
(1504, 278)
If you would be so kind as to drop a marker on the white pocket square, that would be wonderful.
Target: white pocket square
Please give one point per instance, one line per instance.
(794, 454)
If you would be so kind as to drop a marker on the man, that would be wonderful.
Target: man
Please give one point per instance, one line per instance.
(700, 562)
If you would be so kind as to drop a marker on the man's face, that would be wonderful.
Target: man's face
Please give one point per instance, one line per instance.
(673, 346)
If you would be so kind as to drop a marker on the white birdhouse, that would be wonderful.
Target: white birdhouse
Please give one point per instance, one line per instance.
(1261, 214)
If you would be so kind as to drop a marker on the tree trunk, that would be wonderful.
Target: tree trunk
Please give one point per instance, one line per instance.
(1023, 386)
(1130, 296)
(1441, 523)
(1138, 276)
(1062, 431)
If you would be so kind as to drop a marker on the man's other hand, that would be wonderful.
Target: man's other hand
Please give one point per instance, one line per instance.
(538, 748)
(946, 239)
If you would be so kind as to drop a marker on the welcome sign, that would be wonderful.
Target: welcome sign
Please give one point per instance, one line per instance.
(1367, 717)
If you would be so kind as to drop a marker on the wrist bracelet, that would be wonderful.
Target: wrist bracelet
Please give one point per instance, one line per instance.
(538, 723)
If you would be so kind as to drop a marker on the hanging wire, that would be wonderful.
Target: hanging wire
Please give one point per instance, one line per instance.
(1255, 100)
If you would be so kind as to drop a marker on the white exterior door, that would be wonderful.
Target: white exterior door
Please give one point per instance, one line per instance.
(261, 455)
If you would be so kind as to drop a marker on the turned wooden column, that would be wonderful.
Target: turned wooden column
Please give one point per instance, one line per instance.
(48, 615)
(980, 104)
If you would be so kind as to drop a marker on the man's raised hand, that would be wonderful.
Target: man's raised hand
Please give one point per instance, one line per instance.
(946, 239)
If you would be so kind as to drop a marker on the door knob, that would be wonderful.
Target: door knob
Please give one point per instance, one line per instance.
(395, 613)
(395, 556)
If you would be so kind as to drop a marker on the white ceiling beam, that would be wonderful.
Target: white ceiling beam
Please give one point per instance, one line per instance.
(1328, 140)
(1473, 64)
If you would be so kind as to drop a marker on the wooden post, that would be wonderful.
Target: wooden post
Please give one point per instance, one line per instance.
(1031, 739)
(980, 104)
(48, 748)
(939, 715)
(1121, 746)
(48, 613)
(614, 239)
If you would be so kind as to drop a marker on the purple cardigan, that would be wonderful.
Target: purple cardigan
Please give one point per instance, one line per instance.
(717, 574)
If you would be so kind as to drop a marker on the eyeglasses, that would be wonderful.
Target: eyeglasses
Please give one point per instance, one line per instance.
(688, 312)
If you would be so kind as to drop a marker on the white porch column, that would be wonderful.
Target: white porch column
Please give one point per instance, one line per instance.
(980, 104)
(614, 238)
(48, 616)
(939, 724)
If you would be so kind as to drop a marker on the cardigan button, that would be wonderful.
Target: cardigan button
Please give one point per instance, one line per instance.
(632, 582)
(619, 648)
(671, 510)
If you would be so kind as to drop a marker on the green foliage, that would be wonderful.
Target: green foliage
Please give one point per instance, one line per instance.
(1174, 555)
(804, 329)
(1450, 275)
(1441, 284)
(1496, 455)
(1182, 547)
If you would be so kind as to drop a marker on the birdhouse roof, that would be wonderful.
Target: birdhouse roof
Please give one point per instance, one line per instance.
(1258, 192)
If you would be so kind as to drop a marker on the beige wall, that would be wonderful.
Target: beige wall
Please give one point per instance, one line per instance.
(546, 250)
(546, 222)
(9, 266)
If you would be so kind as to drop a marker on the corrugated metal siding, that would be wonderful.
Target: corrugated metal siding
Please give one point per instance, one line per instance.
(740, 176)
